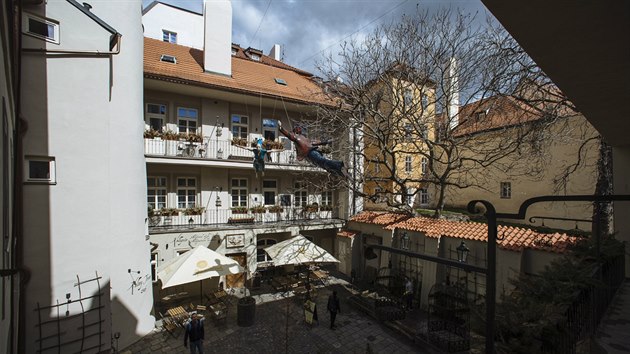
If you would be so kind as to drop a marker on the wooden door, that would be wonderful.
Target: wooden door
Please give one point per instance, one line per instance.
(237, 280)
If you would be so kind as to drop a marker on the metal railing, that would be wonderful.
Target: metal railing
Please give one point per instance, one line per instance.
(213, 150)
(228, 217)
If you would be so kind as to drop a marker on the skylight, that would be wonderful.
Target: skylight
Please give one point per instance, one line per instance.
(280, 81)
(168, 58)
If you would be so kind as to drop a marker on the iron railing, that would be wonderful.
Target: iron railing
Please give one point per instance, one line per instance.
(228, 217)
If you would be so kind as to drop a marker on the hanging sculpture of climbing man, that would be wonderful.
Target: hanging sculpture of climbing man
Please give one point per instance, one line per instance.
(260, 153)
(308, 149)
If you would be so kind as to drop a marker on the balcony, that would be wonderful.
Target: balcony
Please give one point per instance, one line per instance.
(214, 150)
(228, 217)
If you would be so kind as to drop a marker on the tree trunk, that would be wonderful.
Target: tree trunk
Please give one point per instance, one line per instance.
(602, 212)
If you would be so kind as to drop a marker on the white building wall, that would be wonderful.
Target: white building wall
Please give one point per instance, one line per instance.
(80, 110)
(188, 26)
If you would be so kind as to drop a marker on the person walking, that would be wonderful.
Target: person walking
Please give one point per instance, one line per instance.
(409, 294)
(333, 308)
(194, 332)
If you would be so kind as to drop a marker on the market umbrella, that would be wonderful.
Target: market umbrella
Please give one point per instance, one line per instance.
(298, 250)
(196, 265)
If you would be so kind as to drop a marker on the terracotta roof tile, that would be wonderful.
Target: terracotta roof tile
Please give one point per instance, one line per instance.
(347, 233)
(369, 217)
(248, 76)
(513, 238)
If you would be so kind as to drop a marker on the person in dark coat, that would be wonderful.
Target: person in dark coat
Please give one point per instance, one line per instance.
(194, 332)
(333, 308)
(308, 149)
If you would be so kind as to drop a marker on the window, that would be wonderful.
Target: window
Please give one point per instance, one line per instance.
(186, 192)
(408, 131)
(327, 198)
(479, 116)
(270, 129)
(261, 244)
(255, 57)
(506, 190)
(379, 195)
(168, 58)
(234, 51)
(156, 116)
(270, 188)
(40, 169)
(377, 167)
(424, 163)
(239, 192)
(187, 120)
(280, 81)
(156, 192)
(424, 132)
(239, 126)
(300, 194)
(154, 266)
(168, 36)
(41, 28)
(425, 101)
(424, 196)
(408, 164)
(408, 95)
(408, 196)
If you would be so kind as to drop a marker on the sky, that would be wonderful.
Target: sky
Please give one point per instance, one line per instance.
(308, 29)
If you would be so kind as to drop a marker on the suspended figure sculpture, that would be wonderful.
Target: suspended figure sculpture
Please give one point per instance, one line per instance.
(308, 149)
(260, 153)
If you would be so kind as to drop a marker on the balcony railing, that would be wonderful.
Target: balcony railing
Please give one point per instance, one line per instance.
(228, 217)
(212, 150)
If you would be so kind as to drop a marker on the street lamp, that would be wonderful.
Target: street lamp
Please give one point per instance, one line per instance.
(404, 241)
(462, 252)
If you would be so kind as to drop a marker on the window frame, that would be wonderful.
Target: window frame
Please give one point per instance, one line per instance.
(170, 35)
(273, 130)
(187, 188)
(56, 38)
(187, 120)
(240, 125)
(155, 262)
(261, 244)
(408, 96)
(300, 194)
(239, 188)
(408, 164)
(424, 196)
(156, 187)
(326, 198)
(161, 116)
(424, 165)
(52, 170)
(505, 190)
(270, 189)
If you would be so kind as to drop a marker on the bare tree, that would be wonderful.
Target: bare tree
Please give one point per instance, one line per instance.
(402, 87)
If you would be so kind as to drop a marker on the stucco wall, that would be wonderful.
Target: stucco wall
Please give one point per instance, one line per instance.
(79, 110)
(187, 25)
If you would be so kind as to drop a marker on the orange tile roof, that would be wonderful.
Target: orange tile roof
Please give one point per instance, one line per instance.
(370, 217)
(248, 76)
(347, 233)
(514, 238)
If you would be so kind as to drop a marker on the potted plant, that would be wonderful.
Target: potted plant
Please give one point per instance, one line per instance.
(239, 210)
(276, 209)
(273, 145)
(171, 138)
(326, 207)
(169, 212)
(239, 141)
(311, 208)
(152, 134)
(194, 211)
(259, 209)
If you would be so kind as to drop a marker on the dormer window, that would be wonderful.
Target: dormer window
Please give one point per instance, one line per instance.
(168, 36)
(234, 51)
(255, 57)
(168, 59)
(479, 116)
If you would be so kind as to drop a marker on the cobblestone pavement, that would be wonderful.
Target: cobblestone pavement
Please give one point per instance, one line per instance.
(279, 327)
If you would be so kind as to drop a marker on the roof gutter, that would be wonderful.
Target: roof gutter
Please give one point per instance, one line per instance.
(230, 89)
(115, 42)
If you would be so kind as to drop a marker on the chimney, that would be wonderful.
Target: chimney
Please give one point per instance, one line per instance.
(275, 52)
(217, 40)
(453, 94)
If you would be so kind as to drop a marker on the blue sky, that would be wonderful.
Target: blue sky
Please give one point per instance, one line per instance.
(308, 28)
